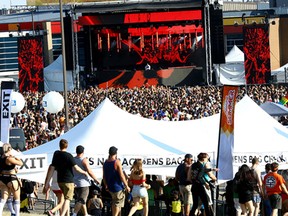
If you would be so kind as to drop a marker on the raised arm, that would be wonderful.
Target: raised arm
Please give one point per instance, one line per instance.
(14, 160)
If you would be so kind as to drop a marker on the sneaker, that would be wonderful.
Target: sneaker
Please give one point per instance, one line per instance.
(50, 213)
(12, 214)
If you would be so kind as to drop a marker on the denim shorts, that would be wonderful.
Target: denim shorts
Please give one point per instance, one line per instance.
(256, 198)
(139, 191)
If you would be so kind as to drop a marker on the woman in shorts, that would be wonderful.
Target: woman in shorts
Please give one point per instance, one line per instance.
(139, 191)
(9, 183)
(58, 193)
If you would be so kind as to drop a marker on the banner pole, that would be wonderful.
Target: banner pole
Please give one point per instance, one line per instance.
(6, 90)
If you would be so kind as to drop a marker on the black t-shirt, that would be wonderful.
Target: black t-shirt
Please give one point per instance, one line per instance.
(182, 172)
(63, 163)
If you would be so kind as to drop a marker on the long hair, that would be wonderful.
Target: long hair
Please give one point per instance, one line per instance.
(137, 167)
(246, 174)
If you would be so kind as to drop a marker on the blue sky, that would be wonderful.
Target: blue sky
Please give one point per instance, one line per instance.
(7, 3)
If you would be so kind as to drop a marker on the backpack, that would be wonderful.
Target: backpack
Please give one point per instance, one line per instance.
(236, 182)
(27, 186)
(197, 172)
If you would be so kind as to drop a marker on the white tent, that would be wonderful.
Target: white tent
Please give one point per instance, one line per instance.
(162, 144)
(53, 77)
(274, 109)
(280, 73)
(233, 71)
(235, 55)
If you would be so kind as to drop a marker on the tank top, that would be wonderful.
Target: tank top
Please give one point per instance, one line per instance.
(112, 177)
(80, 180)
(138, 181)
(4, 166)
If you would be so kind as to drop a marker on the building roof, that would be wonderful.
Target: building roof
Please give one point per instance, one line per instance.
(120, 6)
(51, 12)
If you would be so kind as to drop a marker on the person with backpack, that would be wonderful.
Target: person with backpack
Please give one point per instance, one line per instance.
(201, 177)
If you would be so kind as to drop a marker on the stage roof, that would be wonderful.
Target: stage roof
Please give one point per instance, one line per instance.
(114, 7)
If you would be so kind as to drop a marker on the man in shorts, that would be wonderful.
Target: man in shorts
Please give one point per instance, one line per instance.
(185, 186)
(274, 186)
(115, 181)
(258, 191)
(64, 163)
(82, 182)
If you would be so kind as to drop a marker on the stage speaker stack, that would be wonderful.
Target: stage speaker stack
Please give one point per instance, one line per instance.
(68, 32)
(217, 36)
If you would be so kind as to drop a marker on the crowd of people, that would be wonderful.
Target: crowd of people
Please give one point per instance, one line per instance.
(249, 193)
(190, 192)
(159, 103)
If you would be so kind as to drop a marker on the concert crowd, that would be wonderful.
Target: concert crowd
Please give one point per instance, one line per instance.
(159, 103)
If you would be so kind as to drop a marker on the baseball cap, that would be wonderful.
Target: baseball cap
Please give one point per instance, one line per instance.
(112, 150)
(79, 149)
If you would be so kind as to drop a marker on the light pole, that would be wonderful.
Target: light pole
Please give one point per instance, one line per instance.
(207, 38)
(64, 67)
(285, 74)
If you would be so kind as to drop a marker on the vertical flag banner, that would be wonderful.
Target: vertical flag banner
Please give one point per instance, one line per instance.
(226, 133)
(256, 50)
(6, 89)
(31, 64)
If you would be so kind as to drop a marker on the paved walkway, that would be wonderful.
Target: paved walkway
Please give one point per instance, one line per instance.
(41, 205)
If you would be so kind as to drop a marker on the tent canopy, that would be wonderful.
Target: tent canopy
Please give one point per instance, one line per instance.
(274, 109)
(233, 72)
(280, 73)
(235, 55)
(162, 144)
(53, 77)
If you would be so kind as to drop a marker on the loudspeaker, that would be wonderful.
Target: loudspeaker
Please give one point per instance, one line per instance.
(68, 42)
(217, 36)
